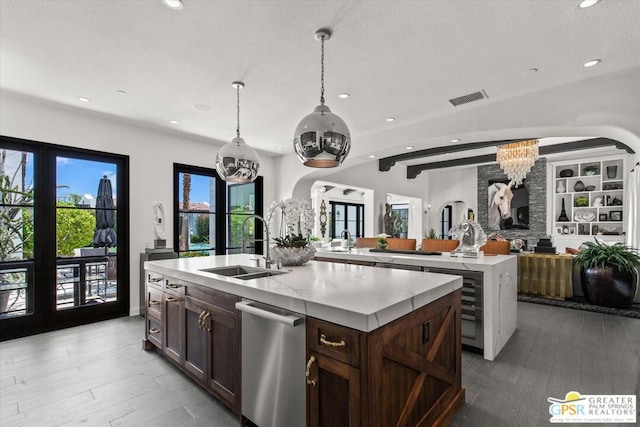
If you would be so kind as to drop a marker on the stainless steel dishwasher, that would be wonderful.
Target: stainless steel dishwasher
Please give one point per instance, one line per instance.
(273, 365)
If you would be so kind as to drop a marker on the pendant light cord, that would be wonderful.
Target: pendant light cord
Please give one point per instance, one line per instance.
(322, 70)
(238, 111)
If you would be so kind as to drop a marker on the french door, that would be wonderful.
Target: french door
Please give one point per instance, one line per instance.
(63, 237)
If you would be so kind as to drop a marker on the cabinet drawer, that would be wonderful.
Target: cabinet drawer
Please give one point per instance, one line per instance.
(221, 302)
(335, 341)
(154, 331)
(174, 286)
(154, 302)
(154, 280)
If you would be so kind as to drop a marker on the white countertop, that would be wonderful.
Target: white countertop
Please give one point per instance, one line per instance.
(358, 297)
(445, 260)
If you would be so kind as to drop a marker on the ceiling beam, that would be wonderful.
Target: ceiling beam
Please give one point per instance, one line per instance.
(414, 170)
(385, 164)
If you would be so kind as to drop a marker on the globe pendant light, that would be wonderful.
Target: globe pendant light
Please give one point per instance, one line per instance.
(236, 161)
(322, 139)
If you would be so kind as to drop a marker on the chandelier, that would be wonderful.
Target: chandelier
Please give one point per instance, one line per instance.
(516, 159)
(236, 161)
(322, 138)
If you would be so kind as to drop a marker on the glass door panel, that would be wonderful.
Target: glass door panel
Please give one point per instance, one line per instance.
(196, 214)
(86, 232)
(16, 232)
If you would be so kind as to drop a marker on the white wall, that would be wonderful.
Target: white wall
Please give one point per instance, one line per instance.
(450, 185)
(151, 157)
(367, 175)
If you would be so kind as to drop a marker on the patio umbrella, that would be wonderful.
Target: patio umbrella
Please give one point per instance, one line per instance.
(105, 235)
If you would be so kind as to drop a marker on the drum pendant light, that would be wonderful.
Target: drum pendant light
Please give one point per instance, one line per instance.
(236, 161)
(322, 138)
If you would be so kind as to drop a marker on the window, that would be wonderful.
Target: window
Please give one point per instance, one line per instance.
(346, 216)
(209, 213)
(400, 220)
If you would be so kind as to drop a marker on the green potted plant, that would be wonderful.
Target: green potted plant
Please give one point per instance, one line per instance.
(608, 273)
(381, 241)
(591, 170)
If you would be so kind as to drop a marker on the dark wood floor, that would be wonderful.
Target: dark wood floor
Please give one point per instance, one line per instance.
(98, 375)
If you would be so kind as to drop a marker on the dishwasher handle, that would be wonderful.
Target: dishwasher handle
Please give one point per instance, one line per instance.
(287, 319)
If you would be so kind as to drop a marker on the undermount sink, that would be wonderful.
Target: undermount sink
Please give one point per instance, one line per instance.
(242, 272)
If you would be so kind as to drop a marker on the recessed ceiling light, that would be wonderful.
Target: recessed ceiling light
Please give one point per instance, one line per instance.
(121, 92)
(532, 70)
(455, 140)
(372, 156)
(391, 119)
(409, 147)
(343, 95)
(83, 99)
(202, 107)
(587, 3)
(591, 63)
(173, 4)
(173, 122)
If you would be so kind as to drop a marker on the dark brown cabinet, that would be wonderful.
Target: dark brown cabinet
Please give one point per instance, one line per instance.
(198, 328)
(404, 373)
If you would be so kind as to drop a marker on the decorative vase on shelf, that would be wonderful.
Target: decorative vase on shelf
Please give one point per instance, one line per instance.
(579, 186)
(560, 188)
(612, 171)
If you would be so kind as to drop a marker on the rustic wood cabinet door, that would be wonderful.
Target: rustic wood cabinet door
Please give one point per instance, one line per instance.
(196, 340)
(333, 397)
(173, 315)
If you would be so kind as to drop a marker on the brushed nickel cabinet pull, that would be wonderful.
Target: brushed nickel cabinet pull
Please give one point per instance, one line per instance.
(173, 285)
(154, 302)
(307, 374)
(154, 331)
(323, 341)
(155, 279)
(172, 299)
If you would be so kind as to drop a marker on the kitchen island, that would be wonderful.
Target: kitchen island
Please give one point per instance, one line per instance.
(489, 298)
(382, 345)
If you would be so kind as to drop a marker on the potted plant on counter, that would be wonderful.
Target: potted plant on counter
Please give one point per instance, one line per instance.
(608, 273)
(293, 247)
(381, 241)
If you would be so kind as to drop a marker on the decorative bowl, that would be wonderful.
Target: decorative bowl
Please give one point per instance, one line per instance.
(292, 256)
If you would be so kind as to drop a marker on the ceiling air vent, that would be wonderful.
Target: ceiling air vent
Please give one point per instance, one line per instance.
(476, 96)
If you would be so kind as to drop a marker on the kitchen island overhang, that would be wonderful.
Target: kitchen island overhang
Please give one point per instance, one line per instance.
(357, 297)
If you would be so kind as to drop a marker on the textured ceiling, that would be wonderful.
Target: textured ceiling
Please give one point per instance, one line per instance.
(404, 59)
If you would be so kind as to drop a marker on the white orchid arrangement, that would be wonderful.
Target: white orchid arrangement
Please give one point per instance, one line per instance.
(297, 221)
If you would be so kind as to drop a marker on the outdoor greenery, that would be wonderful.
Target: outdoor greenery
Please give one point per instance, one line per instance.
(16, 223)
(599, 254)
(201, 234)
(75, 228)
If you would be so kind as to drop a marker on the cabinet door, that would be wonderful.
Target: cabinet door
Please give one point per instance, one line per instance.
(334, 399)
(173, 314)
(224, 357)
(195, 340)
(154, 330)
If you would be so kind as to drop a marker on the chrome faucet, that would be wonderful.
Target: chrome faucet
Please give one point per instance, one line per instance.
(348, 238)
(267, 257)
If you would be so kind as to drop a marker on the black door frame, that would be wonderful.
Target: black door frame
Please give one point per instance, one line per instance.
(45, 316)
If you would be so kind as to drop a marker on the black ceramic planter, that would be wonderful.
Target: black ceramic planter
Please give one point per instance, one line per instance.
(608, 287)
